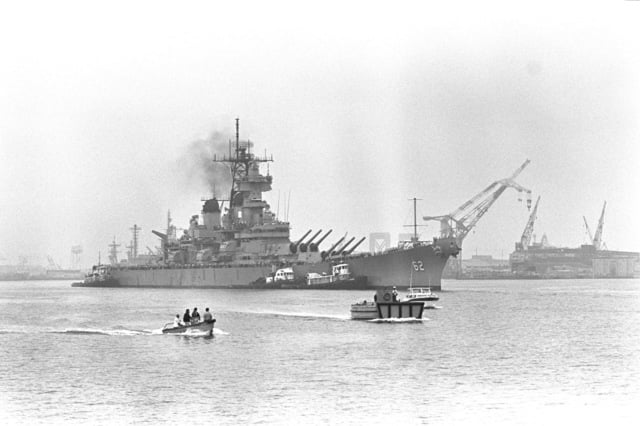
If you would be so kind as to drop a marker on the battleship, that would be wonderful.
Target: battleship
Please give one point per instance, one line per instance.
(239, 240)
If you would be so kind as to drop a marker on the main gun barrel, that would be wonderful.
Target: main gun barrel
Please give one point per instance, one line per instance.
(328, 252)
(314, 246)
(339, 251)
(356, 246)
(293, 247)
(304, 246)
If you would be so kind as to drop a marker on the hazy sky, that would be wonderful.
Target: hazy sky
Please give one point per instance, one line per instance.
(362, 107)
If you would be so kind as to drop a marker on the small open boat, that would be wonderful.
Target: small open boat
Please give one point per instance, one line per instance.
(206, 326)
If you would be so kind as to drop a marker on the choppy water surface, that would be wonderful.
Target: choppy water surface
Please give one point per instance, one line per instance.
(509, 352)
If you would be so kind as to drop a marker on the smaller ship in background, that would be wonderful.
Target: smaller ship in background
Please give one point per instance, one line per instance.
(100, 276)
(593, 260)
(339, 279)
(28, 270)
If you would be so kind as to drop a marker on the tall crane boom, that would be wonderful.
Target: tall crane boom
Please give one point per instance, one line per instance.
(525, 239)
(586, 225)
(597, 237)
(461, 221)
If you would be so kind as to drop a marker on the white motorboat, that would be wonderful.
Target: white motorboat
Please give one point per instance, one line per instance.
(420, 294)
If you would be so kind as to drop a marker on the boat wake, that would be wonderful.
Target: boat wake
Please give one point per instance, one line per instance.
(432, 307)
(300, 315)
(116, 332)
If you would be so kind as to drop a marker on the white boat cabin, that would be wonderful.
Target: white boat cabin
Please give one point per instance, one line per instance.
(339, 272)
(285, 274)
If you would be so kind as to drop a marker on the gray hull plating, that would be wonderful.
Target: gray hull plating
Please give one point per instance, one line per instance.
(419, 265)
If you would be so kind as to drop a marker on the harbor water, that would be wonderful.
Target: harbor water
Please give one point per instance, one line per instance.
(493, 352)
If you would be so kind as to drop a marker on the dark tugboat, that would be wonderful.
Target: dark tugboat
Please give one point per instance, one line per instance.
(100, 276)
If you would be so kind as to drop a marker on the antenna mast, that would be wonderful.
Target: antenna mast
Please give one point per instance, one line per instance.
(415, 225)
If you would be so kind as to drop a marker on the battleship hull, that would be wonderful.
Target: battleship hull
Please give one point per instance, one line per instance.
(421, 265)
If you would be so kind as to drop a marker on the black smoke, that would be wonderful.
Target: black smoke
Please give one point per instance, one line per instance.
(199, 168)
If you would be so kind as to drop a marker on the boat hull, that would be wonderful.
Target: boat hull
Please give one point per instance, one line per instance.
(364, 311)
(101, 283)
(357, 283)
(387, 310)
(205, 326)
(422, 264)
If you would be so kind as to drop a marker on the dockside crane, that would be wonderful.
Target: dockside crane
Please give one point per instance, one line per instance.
(461, 221)
(597, 237)
(525, 239)
(586, 225)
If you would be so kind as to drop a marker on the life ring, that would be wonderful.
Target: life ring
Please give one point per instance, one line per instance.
(387, 296)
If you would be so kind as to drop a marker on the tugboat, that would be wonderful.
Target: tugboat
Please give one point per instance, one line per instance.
(100, 276)
(339, 279)
(386, 306)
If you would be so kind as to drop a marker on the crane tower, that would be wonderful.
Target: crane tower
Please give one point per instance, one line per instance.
(461, 221)
(596, 239)
(525, 239)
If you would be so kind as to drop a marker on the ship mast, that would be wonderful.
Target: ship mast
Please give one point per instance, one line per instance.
(240, 165)
(415, 225)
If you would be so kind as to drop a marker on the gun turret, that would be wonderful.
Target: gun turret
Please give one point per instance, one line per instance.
(314, 247)
(354, 247)
(293, 247)
(341, 249)
(304, 246)
(324, 254)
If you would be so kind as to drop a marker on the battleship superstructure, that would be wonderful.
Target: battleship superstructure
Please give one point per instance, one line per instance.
(236, 244)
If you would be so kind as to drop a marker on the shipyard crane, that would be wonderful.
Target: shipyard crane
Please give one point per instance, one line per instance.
(461, 221)
(597, 237)
(52, 264)
(586, 225)
(525, 239)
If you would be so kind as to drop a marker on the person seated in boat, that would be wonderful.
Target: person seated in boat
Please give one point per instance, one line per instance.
(207, 315)
(186, 318)
(176, 321)
(195, 316)
(394, 294)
